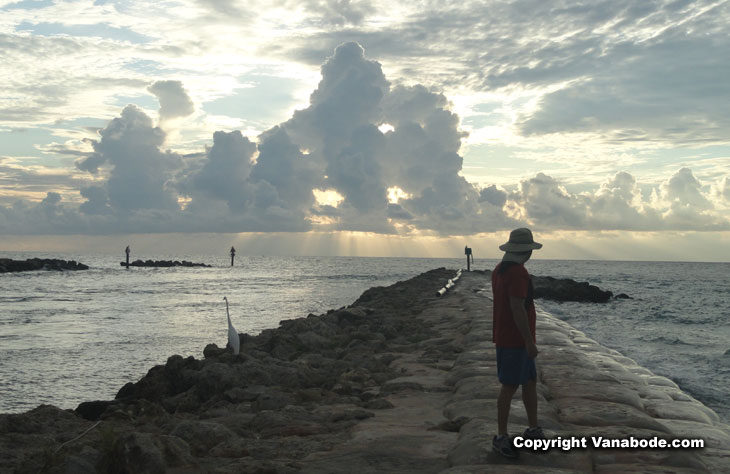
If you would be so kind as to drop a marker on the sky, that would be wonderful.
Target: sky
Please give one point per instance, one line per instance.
(336, 127)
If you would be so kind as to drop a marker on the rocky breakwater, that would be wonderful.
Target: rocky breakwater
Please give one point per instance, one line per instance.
(586, 391)
(285, 404)
(8, 265)
(401, 382)
(567, 289)
(163, 263)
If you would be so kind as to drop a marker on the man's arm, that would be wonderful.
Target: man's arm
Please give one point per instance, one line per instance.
(517, 305)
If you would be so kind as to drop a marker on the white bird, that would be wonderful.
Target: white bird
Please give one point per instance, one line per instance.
(233, 339)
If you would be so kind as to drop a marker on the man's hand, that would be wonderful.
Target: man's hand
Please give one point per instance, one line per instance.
(532, 350)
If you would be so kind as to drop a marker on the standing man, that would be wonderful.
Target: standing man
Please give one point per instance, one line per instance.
(233, 254)
(513, 331)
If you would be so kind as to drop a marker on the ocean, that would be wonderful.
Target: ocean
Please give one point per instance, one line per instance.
(68, 337)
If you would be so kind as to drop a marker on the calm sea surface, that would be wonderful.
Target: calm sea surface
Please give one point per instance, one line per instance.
(68, 337)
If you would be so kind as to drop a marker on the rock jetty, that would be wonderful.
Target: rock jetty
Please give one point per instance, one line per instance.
(402, 381)
(163, 263)
(8, 265)
(567, 289)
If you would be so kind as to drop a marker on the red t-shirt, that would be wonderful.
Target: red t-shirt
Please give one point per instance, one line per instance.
(515, 281)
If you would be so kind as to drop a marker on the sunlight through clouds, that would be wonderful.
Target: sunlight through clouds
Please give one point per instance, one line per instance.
(366, 118)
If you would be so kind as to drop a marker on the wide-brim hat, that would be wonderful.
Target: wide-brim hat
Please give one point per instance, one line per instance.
(520, 240)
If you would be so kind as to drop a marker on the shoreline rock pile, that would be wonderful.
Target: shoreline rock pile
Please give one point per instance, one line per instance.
(292, 391)
(8, 265)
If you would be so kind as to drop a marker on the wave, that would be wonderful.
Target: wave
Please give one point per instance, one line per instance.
(17, 299)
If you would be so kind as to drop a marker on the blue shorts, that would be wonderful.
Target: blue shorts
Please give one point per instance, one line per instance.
(514, 366)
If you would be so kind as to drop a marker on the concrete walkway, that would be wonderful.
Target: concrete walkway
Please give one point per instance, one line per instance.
(443, 413)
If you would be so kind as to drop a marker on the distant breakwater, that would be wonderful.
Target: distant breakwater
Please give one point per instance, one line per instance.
(8, 265)
(567, 289)
(163, 263)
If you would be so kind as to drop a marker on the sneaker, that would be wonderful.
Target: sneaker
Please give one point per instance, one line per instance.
(503, 445)
(533, 433)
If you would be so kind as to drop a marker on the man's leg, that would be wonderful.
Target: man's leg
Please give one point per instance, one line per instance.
(529, 398)
(503, 404)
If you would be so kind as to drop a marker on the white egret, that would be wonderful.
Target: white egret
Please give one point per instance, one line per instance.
(233, 339)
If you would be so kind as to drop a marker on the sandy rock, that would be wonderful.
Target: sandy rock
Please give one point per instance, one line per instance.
(579, 411)
(510, 468)
(714, 436)
(593, 390)
(681, 410)
(648, 458)
(475, 447)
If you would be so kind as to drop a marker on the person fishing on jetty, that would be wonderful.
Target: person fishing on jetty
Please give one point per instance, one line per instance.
(513, 331)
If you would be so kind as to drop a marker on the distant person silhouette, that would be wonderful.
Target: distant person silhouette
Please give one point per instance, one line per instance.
(233, 254)
(513, 331)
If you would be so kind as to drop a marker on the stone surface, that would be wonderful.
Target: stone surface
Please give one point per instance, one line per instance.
(402, 381)
(8, 265)
(163, 263)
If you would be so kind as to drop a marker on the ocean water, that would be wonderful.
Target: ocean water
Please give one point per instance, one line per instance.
(68, 337)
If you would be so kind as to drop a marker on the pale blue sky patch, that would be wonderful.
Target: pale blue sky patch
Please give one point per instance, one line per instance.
(100, 30)
(500, 164)
(267, 100)
(23, 142)
(28, 5)
(144, 100)
(148, 67)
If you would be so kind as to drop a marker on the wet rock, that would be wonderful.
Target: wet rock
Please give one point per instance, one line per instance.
(272, 400)
(202, 435)
(93, 410)
(145, 453)
(378, 404)
(8, 265)
(567, 289)
(163, 263)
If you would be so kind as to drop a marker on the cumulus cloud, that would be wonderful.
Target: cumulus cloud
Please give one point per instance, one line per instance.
(389, 154)
(493, 196)
(226, 169)
(677, 204)
(722, 191)
(139, 172)
(548, 202)
(174, 99)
